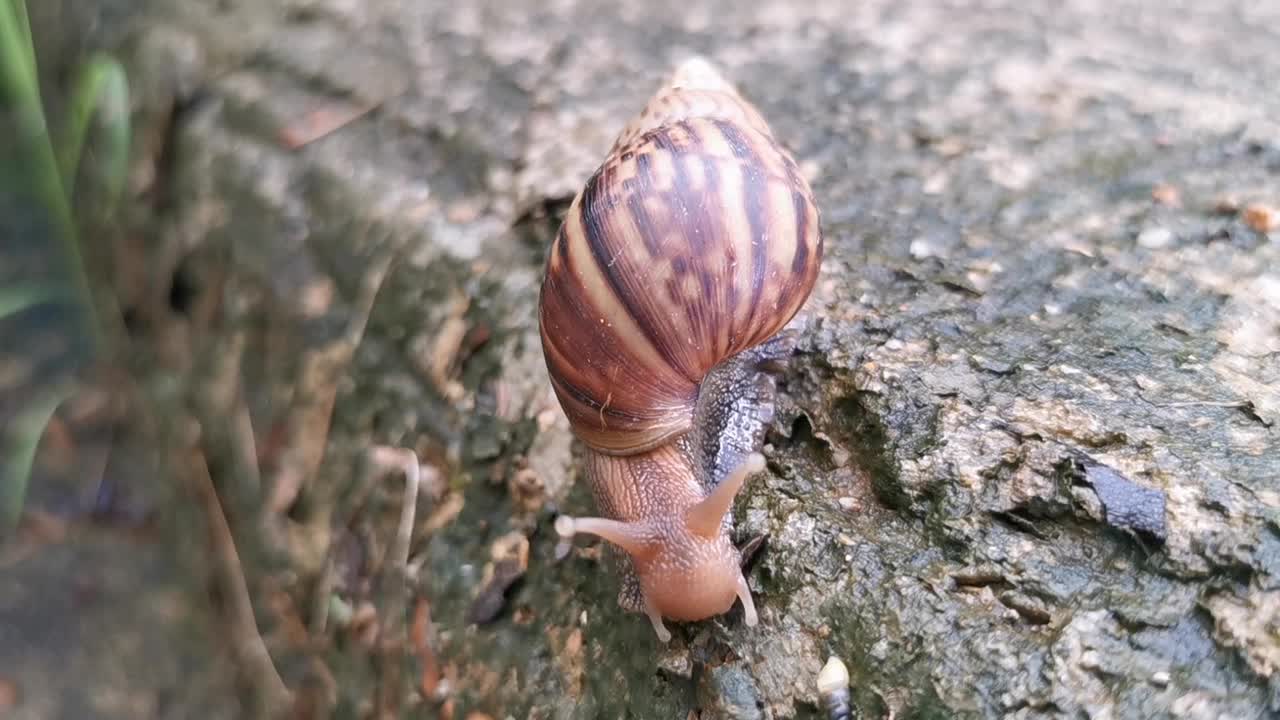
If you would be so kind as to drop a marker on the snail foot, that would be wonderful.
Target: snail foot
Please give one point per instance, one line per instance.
(655, 619)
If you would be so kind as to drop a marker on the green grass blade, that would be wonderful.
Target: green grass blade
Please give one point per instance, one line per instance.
(20, 445)
(24, 24)
(20, 93)
(17, 298)
(17, 54)
(101, 89)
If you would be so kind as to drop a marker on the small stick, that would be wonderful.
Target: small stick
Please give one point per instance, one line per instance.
(308, 418)
(320, 600)
(408, 462)
(247, 644)
(367, 474)
(391, 642)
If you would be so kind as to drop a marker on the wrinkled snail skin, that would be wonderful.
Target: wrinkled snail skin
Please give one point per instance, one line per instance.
(677, 266)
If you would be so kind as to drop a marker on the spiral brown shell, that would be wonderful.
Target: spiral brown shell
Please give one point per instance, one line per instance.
(696, 239)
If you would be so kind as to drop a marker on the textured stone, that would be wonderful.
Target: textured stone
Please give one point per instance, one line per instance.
(988, 314)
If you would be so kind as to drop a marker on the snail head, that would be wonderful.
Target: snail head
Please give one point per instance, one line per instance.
(687, 567)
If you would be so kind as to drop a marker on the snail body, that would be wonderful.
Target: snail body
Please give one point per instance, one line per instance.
(685, 254)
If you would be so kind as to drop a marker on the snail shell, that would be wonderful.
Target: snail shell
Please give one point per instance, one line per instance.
(683, 256)
(696, 239)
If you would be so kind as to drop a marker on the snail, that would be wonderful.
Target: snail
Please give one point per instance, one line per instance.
(665, 294)
(833, 689)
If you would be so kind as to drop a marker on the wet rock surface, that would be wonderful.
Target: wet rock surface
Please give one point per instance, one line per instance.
(1025, 462)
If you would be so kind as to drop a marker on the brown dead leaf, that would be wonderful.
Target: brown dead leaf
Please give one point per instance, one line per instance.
(316, 694)
(272, 443)
(593, 552)
(420, 637)
(502, 405)
(439, 358)
(477, 336)
(92, 406)
(569, 656)
(573, 647)
(527, 490)
(37, 529)
(289, 625)
(510, 560)
(320, 122)
(9, 694)
(1248, 622)
(445, 513)
(1167, 195)
(316, 297)
(1261, 218)
(480, 679)
(512, 545)
(43, 527)
(464, 211)
(364, 624)
(445, 349)
(57, 447)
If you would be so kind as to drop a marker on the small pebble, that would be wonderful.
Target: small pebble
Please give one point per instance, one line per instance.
(811, 170)
(340, 611)
(1160, 678)
(546, 419)
(1226, 205)
(921, 248)
(1145, 383)
(1155, 238)
(999, 367)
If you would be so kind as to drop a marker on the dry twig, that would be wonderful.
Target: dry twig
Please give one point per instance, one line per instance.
(392, 645)
(307, 422)
(247, 646)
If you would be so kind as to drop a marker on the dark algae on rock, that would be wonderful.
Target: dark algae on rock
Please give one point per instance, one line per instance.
(1126, 504)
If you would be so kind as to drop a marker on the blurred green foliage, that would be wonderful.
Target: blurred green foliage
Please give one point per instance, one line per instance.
(101, 93)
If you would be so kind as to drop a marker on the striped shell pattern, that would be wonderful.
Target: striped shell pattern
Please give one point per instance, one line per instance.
(696, 239)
